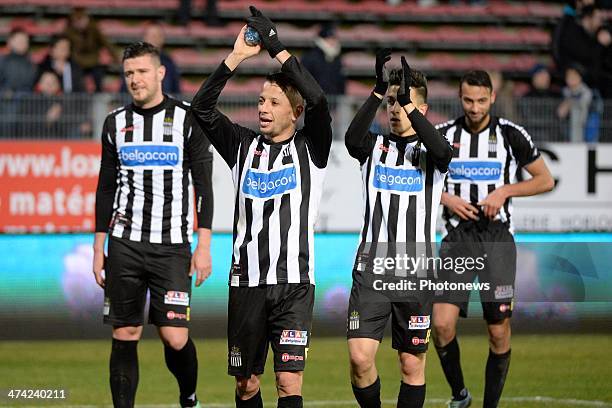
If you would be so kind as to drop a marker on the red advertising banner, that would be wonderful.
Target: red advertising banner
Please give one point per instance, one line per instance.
(48, 186)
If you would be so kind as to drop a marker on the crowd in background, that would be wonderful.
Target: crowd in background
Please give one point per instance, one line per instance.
(571, 89)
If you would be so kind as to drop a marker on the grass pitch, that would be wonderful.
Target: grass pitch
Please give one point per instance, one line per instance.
(562, 370)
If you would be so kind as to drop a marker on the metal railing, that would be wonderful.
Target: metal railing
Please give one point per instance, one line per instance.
(80, 116)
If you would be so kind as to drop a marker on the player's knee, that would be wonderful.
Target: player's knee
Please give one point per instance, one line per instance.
(127, 333)
(247, 387)
(175, 342)
(361, 362)
(444, 331)
(174, 337)
(499, 335)
(412, 367)
(288, 383)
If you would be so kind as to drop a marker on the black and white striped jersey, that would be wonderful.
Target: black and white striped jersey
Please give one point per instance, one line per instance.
(403, 180)
(277, 185)
(485, 161)
(401, 198)
(151, 161)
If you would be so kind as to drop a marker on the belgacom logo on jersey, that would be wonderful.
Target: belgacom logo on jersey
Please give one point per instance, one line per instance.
(397, 179)
(235, 357)
(474, 171)
(149, 155)
(259, 184)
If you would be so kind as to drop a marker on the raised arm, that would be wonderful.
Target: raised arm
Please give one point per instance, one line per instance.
(358, 139)
(220, 130)
(317, 121)
(436, 144)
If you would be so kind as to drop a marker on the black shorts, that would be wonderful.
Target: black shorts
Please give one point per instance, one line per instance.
(494, 245)
(369, 312)
(133, 267)
(277, 314)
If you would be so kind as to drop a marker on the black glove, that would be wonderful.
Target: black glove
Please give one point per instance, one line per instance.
(382, 83)
(267, 31)
(403, 94)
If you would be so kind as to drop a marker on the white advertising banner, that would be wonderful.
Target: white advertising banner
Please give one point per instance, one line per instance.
(580, 201)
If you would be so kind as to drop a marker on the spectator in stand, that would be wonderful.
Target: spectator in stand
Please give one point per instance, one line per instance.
(324, 61)
(59, 61)
(17, 72)
(171, 84)
(210, 17)
(539, 105)
(580, 38)
(87, 41)
(578, 105)
(42, 115)
(540, 86)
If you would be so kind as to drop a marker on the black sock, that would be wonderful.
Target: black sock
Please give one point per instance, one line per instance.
(411, 396)
(292, 401)
(368, 397)
(495, 378)
(253, 402)
(124, 372)
(184, 365)
(451, 365)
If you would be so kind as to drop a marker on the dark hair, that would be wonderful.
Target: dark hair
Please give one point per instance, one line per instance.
(57, 38)
(18, 30)
(140, 48)
(419, 81)
(476, 78)
(282, 80)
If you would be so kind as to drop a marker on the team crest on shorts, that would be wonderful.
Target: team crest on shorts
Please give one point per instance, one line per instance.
(354, 320)
(106, 310)
(235, 357)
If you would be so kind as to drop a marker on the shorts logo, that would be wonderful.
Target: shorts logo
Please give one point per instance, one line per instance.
(407, 180)
(419, 322)
(417, 340)
(474, 171)
(267, 185)
(176, 298)
(235, 357)
(106, 310)
(504, 307)
(149, 155)
(289, 357)
(354, 320)
(295, 337)
(504, 292)
(171, 315)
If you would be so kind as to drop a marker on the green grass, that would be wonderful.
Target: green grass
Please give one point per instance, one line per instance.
(555, 366)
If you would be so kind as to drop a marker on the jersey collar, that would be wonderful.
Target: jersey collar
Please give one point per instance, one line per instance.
(151, 111)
